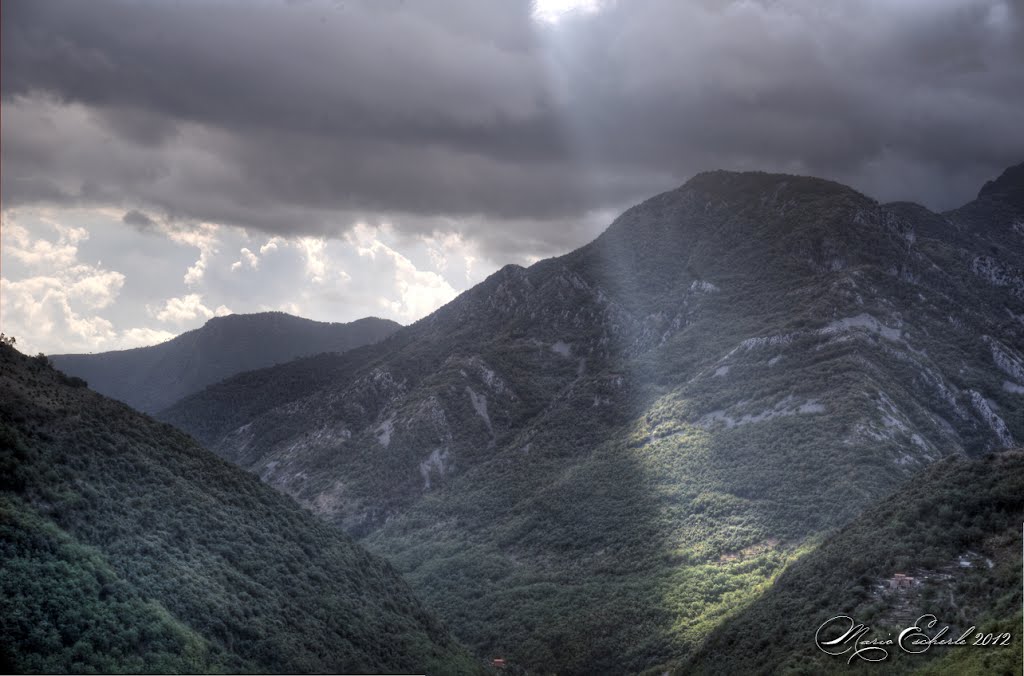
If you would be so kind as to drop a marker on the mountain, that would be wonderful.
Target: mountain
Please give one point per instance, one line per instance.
(152, 378)
(956, 530)
(586, 464)
(126, 547)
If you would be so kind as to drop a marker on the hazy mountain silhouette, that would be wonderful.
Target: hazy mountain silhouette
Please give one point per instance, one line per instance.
(153, 378)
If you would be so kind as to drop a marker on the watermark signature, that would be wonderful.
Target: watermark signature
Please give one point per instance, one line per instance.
(842, 635)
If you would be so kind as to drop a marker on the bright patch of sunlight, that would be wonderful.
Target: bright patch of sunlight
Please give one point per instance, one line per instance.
(552, 11)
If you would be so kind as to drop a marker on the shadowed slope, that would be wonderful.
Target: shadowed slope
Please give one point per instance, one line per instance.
(128, 547)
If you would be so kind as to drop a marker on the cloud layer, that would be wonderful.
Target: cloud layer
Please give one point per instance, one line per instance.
(294, 117)
(517, 129)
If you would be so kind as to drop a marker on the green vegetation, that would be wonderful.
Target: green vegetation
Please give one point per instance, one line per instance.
(127, 547)
(958, 509)
(615, 563)
(583, 466)
(63, 608)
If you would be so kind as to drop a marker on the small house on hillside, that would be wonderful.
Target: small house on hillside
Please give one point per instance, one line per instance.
(901, 581)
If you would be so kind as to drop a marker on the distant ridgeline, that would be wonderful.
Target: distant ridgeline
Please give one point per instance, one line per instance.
(589, 464)
(152, 378)
(126, 547)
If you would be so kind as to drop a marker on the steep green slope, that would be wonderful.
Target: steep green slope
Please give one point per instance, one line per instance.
(152, 378)
(127, 547)
(63, 608)
(585, 464)
(956, 530)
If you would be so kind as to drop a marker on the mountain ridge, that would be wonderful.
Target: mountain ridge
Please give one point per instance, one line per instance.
(1007, 185)
(153, 377)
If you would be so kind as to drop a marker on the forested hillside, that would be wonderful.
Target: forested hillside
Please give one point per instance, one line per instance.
(127, 547)
(956, 531)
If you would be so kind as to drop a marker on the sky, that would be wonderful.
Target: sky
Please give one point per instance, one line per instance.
(167, 162)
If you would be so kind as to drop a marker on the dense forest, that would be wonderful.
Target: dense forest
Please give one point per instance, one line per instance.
(956, 530)
(128, 547)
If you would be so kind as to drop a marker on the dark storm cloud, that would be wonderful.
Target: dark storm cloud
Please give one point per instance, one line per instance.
(138, 220)
(303, 116)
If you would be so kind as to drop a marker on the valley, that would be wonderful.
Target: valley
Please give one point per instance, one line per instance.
(512, 338)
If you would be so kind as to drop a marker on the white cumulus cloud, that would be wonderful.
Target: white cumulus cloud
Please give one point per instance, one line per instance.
(185, 309)
(51, 307)
(419, 292)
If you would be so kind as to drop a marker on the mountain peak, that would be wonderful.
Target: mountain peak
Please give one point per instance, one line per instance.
(1009, 187)
(152, 378)
(241, 316)
(724, 220)
(256, 319)
(748, 184)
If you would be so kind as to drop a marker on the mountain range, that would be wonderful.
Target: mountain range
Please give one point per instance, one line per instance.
(589, 464)
(152, 378)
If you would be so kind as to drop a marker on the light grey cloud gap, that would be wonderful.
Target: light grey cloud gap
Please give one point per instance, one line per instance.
(305, 117)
